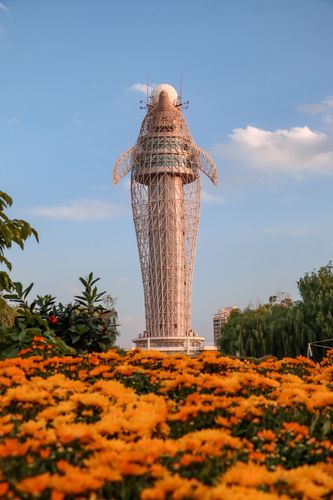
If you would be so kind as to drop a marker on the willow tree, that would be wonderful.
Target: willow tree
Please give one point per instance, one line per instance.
(284, 328)
(316, 304)
(259, 332)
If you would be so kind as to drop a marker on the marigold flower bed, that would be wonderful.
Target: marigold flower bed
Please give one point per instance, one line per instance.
(152, 426)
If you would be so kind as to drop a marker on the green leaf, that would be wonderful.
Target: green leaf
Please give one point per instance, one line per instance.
(6, 199)
(314, 423)
(327, 427)
(27, 290)
(5, 261)
(9, 352)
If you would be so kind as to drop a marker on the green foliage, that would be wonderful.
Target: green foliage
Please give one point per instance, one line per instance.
(86, 325)
(284, 328)
(7, 313)
(316, 306)
(27, 325)
(90, 297)
(12, 231)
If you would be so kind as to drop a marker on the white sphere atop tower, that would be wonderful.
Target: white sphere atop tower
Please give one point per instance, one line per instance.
(171, 91)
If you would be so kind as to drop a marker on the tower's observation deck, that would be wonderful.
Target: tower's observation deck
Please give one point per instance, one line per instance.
(165, 188)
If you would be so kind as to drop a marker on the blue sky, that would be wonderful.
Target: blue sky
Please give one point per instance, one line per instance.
(259, 78)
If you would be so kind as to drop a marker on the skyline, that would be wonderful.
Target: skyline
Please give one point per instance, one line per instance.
(259, 81)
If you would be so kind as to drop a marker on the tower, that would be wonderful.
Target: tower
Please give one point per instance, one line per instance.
(165, 192)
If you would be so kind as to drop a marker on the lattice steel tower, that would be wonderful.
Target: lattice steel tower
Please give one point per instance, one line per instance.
(165, 189)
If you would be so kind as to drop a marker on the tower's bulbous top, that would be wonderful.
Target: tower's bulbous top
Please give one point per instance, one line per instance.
(164, 117)
(164, 145)
(166, 88)
(163, 101)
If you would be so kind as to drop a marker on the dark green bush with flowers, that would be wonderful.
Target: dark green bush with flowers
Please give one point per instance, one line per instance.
(83, 326)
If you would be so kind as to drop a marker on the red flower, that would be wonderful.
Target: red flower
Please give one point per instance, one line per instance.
(53, 319)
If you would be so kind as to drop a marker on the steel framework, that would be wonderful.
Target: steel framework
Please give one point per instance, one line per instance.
(165, 191)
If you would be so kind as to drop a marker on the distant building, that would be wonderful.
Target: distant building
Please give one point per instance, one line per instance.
(219, 319)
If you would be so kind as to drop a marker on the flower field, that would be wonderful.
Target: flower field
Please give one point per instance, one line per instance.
(150, 426)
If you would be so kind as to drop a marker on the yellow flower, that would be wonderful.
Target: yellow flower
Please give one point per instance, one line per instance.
(175, 487)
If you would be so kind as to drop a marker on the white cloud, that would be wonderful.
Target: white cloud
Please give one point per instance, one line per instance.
(328, 120)
(289, 231)
(77, 119)
(297, 150)
(79, 211)
(14, 121)
(326, 105)
(323, 109)
(4, 7)
(142, 88)
(211, 198)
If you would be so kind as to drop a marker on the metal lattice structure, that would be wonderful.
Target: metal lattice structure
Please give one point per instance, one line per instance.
(165, 190)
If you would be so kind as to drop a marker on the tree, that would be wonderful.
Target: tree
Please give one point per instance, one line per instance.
(316, 290)
(12, 231)
(283, 327)
(260, 331)
(315, 308)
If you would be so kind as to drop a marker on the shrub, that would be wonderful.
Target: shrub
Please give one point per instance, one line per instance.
(85, 325)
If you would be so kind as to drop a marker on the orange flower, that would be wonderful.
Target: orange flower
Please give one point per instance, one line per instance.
(75, 481)
(44, 453)
(296, 428)
(13, 448)
(189, 459)
(57, 495)
(4, 488)
(131, 469)
(38, 339)
(256, 456)
(34, 485)
(44, 400)
(267, 435)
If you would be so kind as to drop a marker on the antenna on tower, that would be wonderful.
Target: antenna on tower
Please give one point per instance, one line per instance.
(181, 104)
(145, 105)
(181, 87)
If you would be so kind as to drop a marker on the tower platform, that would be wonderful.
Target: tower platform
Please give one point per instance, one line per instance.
(186, 344)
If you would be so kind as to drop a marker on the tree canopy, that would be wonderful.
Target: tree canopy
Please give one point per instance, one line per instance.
(283, 327)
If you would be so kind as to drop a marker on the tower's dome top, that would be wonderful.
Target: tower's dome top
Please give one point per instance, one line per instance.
(171, 91)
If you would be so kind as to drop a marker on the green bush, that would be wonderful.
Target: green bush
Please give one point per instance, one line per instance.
(27, 325)
(85, 325)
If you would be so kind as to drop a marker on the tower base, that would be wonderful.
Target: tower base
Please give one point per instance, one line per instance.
(187, 344)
